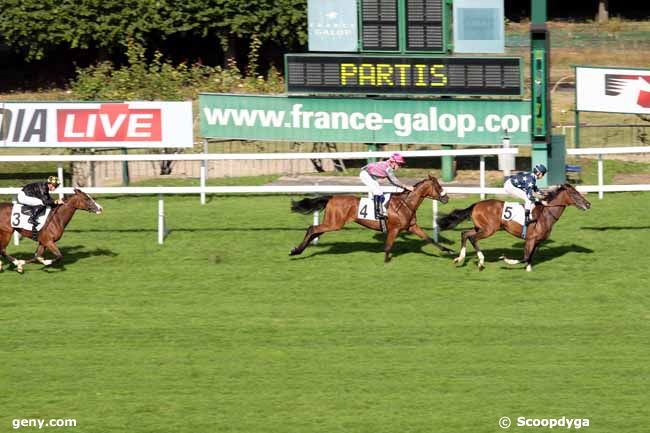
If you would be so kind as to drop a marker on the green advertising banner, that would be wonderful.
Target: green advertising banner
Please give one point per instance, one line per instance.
(364, 120)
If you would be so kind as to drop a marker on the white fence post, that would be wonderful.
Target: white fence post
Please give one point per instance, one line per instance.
(161, 219)
(482, 176)
(435, 220)
(59, 174)
(316, 222)
(600, 177)
(204, 171)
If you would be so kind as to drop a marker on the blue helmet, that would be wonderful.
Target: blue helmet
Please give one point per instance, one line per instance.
(540, 168)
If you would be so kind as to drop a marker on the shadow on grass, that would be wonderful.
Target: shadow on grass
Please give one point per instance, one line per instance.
(615, 228)
(195, 230)
(71, 254)
(402, 245)
(543, 254)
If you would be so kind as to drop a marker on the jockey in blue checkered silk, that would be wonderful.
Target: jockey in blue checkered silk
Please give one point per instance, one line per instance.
(524, 186)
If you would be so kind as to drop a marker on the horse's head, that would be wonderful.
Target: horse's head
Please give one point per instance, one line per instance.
(82, 201)
(567, 195)
(437, 192)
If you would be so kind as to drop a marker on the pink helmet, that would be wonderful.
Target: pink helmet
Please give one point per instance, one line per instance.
(398, 158)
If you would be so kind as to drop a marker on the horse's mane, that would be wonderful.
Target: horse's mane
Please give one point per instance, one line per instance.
(417, 184)
(553, 193)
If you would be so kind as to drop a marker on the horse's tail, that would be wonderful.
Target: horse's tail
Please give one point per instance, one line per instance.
(308, 205)
(456, 217)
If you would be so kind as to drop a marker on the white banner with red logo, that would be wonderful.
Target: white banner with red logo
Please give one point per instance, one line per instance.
(96, 124)
(613, 90)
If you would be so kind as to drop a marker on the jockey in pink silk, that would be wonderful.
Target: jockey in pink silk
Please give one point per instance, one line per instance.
(382, 170)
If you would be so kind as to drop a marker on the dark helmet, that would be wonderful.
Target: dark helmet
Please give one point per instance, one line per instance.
(540, 168)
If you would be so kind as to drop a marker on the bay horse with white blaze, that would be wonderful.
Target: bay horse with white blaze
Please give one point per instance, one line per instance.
(486, 216)
(340, 210)
(52, 230)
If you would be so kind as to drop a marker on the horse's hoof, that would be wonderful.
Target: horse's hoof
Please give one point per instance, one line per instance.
(293, 252)
(481, 267)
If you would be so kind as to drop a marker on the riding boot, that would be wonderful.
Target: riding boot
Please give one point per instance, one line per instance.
(33, 220)
(379, 214)
(527, 217)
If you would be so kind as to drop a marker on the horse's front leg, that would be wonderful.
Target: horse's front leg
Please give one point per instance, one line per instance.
(38, 256)
(417, 230)
(529, 251)
(51, 247)
(390, 240)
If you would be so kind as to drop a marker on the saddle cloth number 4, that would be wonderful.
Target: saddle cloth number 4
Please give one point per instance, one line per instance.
(367, 208)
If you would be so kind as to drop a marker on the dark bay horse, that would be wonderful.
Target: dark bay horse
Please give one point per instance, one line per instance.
(52, 230)
(340, 210)
(486, 216)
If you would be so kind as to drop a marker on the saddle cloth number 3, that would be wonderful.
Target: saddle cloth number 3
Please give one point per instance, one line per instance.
(20, 220)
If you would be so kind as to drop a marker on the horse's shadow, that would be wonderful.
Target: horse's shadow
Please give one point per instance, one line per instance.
(543, 254)
(73, 254)
(615, 228)
(404, 244)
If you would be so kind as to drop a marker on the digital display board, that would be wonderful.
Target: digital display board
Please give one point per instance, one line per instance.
(417, 75)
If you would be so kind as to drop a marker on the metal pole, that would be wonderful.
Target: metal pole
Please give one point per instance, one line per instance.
(161, 219)
(600, 177)
(59, 174)
(482, 166)
(435, 220)
(316, 222)
(204, 171)
(125, 170)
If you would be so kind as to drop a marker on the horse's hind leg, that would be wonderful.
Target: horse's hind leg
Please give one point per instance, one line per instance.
(479, 253)
(309, 236)
(480, 233)
(5, 238)
(312, 233)
(463, 241)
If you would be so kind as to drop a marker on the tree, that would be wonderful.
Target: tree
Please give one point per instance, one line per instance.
(38, 27)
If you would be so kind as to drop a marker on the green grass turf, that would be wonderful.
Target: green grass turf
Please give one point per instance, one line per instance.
(218, 330)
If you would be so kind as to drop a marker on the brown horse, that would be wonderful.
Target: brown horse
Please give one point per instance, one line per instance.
(52, 230)
(486, 216)
(339, 210)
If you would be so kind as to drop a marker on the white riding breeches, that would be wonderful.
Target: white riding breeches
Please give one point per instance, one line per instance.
(370, 182)
(518, 193)
(29, 201)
